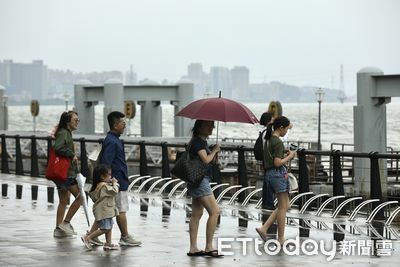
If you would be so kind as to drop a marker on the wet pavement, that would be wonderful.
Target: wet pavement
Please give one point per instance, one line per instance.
(26, 237)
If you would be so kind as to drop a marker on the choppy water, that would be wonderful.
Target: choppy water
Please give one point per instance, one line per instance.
(336, 122)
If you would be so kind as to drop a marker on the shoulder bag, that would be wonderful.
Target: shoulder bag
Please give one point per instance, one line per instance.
(57, 167)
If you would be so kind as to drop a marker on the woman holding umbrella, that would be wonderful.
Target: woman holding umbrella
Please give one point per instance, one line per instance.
(202, 196)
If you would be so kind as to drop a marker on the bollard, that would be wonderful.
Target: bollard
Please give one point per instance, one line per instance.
(50, 194)
(166, 208)
(4, 188)
(303, 187)
(144, 205)
(243, 219)
(34, 192)
(338, 189)
(19, 168)
(143, 159)
(34, 158)
(19, 191)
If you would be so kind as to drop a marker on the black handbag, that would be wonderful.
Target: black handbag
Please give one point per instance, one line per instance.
(190, 170)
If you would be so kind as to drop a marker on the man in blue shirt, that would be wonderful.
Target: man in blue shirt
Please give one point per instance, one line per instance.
(113, 154)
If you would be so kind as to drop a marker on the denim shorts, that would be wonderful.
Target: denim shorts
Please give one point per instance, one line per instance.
(204, 189)
(278, 179)
(67, 184)
(105, 224)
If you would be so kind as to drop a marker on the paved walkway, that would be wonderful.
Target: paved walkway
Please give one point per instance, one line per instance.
(26, 229)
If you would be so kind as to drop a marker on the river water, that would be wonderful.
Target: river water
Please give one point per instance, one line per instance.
(336, 122)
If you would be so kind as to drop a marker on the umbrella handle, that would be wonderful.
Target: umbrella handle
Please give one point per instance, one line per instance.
(217, 130)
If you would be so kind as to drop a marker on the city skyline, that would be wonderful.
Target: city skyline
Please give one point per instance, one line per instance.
(301, 43)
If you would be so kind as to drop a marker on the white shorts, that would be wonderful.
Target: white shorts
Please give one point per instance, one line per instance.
(121, 200)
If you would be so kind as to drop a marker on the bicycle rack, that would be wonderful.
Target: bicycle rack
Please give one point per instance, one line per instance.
(378, 208)
(167, 184)
(156, 183)
(308, 202)
(137, 180)
(146, 182)
(238, 192)
(329, 200)
(225, 191)
(344, 203)
(247, 199)
(359, 207)
(391, 218)
(175, 188)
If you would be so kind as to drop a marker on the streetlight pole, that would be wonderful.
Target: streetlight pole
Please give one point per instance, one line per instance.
(66, 97)
(319, 95)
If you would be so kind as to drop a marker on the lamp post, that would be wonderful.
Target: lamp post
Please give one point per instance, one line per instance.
(3, 113)
(66, 98)
(319, 95)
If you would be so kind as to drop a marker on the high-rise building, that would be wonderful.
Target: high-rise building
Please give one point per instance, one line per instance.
(219, 81)
(24, 79)
(240, 81)
(196, 74)
(131, 77)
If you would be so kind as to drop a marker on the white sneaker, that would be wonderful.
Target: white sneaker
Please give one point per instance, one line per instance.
(58, 233)
(129, 241)
(67, 228)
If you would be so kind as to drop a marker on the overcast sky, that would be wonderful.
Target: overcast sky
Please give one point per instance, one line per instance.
(301, 42)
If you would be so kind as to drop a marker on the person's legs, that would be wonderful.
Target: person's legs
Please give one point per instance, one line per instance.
(62, 205)
(123, 206)
(122, 224)
(108, 236)
(210, 204)
(197, 212)
(268, 195)
(283, 205)
(74, 189)
(96, 233)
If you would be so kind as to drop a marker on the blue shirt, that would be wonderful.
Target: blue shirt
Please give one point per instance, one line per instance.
(113, 154)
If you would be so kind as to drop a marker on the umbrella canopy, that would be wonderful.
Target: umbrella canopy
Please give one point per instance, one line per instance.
(218, 109)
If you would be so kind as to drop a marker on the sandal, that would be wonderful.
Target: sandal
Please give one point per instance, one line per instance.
(262, 235)
(213, 253)
(110, 247)
(196, 254)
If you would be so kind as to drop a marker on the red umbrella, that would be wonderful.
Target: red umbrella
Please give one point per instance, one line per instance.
(218, 109)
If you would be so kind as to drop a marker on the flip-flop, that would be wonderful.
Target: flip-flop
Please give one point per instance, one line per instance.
(196, 254)
(213, 253)
(262, 235)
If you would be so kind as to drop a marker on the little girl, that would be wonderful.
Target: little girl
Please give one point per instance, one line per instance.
(103, 192)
